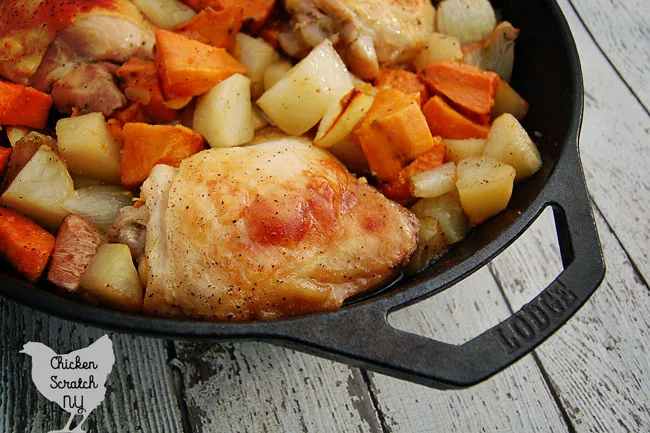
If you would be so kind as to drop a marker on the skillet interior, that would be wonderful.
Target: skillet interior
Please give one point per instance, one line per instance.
(543, 75)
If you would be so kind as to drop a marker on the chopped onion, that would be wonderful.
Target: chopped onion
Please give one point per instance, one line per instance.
(99, 204)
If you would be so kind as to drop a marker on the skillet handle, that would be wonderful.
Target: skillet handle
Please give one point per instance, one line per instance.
(367, 340)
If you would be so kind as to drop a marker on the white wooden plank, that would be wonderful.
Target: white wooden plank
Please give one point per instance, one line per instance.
(257, 387)
(614, 147)
(515, 400)
(598, 362)
(140, 396)
(622, 30)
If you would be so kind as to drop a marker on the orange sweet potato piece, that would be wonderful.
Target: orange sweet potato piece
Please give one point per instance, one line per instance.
(24, 244)
(147, 145)
(5, 153)
(406, 81)
(393, 133)
(465, 85)
(216, 28)
(133, 112)
(254, 12)
(188, 68)
(398, 188)
(23, 105)
(140, 83)
(446, 122)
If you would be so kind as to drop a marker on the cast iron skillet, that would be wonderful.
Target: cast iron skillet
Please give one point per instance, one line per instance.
(547, 74)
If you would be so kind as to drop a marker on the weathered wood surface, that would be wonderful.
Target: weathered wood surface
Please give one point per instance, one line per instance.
(622, 30)
(141, 394)
(590, 376)
(614, 141)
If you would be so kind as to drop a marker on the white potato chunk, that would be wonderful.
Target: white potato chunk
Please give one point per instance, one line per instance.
(507, 100)
(99, 204)
(437, 181)
(257, 55)
(165, 14)
(275, 72)
(484, 186)
(431, 245)
(299, 100)
(439, 47)
(457, 150)
(509, 143)
(341, 117)
(224, 115)
(468, 20)
(40, 188)
(88, 147)
(448, 211)
(111, 279)
(16, 133)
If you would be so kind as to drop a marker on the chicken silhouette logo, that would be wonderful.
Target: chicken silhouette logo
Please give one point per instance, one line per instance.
(75, 381)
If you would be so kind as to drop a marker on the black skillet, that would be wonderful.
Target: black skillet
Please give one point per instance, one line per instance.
(547, 73)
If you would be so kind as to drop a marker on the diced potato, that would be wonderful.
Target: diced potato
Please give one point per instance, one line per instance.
(165, 14)
(509, 101)
(447, 210)
(431, 245)
(434, 182)
(259, 119)
(509, 143)
(341, 117)
(275, 72)
(457, 150)
(439, 47)
(468, 20)
(299, 100)
(257, 55)
(22, 152)
(350, 153)
(16, 133)
(111, 279)
(81, 181)
(40, 189)
(224, 115)
(484, 186)
(88, 147)
(99, 204)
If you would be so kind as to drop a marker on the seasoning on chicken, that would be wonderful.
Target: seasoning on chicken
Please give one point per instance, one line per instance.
(368, 34)
(266, 231)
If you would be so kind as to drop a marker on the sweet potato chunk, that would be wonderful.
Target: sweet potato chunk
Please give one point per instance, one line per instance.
(393, 133)
(147, 145)
(24, 244)
(406, 81)
(188, 68)
(23, 105)
(446, 122)
(216, 28)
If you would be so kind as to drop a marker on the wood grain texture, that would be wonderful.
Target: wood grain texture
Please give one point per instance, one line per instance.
(614, 147)
(515, 400)
(257, 387)
(140, 389)
(597, 362)
(622, 30)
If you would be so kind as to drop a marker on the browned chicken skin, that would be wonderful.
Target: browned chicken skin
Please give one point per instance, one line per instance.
(369, 34)
(64, 47)
(265, 231)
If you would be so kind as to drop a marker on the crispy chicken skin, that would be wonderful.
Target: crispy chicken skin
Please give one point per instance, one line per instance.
(64, 47)
(271, 230)
(369, 34)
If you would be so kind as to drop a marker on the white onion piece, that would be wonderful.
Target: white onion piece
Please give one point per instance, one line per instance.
(99, 204)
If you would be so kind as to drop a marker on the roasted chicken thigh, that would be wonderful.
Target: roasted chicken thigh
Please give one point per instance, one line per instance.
(266, 231)
(369, 34)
